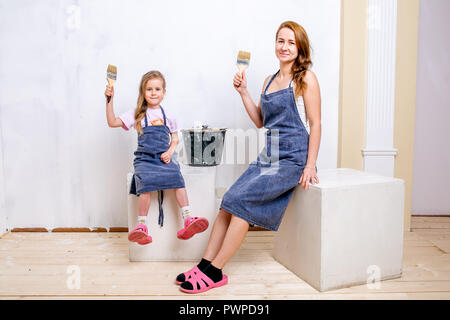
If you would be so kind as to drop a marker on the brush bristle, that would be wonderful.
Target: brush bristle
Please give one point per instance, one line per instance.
(111, 72)
(243, 55)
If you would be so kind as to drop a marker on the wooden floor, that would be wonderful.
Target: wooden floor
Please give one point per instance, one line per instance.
(37, 266)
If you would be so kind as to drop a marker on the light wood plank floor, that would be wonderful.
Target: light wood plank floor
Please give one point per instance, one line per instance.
(35, 266)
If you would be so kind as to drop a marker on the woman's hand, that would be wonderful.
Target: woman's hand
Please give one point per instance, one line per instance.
(166, 157)
(309, 175)
(109, 92)
(240, 82)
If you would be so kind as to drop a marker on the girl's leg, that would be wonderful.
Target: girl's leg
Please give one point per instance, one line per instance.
(140, 233)
(234, 236)
(217, 235)
(143, 204)
(182, 197)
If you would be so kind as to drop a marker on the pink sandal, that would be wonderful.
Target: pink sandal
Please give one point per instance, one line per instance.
(192, 226)
(201, 282)
(187, 275)
(139, 233)
(145, 240)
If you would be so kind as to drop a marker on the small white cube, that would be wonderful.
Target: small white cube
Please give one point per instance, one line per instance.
(347, 230)
(200, 187)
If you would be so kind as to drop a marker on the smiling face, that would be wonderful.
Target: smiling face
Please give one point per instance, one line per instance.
(286, 48)
(154, 92)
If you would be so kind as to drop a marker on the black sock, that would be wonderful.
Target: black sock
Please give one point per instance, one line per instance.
(202, 265)
(211, 272)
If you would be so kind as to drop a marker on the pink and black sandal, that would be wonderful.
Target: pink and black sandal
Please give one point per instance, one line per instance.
(187, 275)
(192, 226)
(139, 233)
(201, 282)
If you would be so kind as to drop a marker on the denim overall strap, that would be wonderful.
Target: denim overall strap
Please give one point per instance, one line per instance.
(145, 117)
(161, 192)
(271, 79)
(164, 116)
(160, 203)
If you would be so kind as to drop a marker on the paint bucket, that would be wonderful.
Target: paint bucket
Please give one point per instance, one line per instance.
(203, 146)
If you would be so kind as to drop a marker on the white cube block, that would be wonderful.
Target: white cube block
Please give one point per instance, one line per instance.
(347, 230)
(200, 187)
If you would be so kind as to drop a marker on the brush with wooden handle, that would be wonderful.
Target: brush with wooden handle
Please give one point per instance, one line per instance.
(111, 76)
(243, 60)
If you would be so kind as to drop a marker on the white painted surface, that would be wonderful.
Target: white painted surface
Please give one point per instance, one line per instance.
(62, 165)
(431, 172)
(381, 54)
(166, 246)
(3, 222)
(333, 234)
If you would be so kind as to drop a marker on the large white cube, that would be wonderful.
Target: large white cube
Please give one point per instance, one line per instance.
(347, 230)
(200, 187)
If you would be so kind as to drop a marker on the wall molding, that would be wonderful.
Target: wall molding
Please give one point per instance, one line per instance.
(379, 152)
(380, 99)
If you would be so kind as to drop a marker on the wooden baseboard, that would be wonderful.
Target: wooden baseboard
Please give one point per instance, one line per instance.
(257, 229)
(29, 230)
(118, 229)
(430, 215)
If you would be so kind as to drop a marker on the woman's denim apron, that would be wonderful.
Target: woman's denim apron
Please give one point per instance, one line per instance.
(150, 172)
(261, 195)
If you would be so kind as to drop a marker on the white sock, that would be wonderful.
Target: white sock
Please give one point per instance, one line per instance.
(142, 220)
(186, 212)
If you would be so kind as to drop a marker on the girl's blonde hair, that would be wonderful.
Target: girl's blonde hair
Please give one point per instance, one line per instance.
(141, 108)
(303, 62)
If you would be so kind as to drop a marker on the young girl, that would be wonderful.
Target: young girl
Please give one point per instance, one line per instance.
(153, 168)
(290, 109)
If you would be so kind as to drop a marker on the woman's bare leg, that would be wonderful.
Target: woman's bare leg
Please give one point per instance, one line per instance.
(143, 204)
(182, 197)
(217, 235)
(234, 236)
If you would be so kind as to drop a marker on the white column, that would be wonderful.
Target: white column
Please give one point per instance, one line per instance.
(379, 152)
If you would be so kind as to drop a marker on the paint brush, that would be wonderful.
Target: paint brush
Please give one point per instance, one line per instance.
(243, 60)
(111, 76)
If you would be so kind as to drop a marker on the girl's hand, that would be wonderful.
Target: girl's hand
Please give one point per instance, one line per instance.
(240, 82)
(109, 92)
(166, 156)
(309, 175)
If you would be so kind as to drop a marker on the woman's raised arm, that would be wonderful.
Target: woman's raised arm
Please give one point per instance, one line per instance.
(254, 111)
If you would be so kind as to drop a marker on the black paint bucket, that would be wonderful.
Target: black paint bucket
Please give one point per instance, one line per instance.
(204, 146)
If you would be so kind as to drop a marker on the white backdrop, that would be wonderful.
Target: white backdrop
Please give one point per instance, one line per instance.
(431, 173)
(61, 165)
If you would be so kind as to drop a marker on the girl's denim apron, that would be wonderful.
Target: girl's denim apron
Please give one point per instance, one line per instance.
(261, 195)
(150, 172)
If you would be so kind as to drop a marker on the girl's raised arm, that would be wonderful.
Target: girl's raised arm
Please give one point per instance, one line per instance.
(113, 121)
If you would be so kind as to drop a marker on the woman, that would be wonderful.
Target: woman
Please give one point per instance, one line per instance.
(290, 109)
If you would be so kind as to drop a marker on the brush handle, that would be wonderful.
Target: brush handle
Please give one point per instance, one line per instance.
(241, 68)
(111, 83)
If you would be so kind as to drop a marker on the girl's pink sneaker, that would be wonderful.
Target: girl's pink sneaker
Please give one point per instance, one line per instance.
(139, 233)
(145, 240)
(192, 226)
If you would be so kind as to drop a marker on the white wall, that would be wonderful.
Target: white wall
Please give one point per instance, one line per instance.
(62, 165)
(431, 173)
